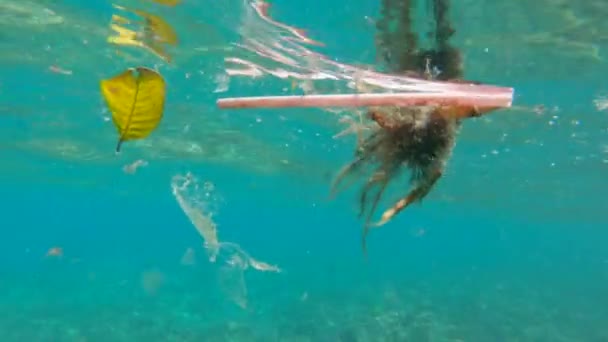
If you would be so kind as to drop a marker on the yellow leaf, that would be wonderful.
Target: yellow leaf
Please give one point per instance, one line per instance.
(136, 99)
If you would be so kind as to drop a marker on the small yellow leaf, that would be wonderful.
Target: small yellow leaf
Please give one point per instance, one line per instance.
(136, 99)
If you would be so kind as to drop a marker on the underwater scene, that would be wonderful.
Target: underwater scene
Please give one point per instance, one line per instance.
(275, 170)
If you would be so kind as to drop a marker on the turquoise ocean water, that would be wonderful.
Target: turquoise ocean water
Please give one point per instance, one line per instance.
(510, 245)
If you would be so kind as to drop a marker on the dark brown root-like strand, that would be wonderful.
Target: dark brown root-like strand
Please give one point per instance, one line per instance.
(416, 194)
(375, 202)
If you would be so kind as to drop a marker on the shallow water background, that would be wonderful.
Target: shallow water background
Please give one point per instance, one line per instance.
(509, 247)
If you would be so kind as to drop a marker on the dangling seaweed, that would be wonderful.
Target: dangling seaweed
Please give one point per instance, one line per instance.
(417, 139)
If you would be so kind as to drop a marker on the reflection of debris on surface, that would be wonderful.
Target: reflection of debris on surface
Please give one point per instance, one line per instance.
(149, 31)
(58, 70)
(601, 103)
(572, 47)
(196, 202)
(132, 168)
(27, 13)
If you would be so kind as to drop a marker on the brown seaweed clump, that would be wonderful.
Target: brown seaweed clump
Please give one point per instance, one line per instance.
(415, 139)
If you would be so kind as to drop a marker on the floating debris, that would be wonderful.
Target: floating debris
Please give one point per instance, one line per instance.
(195, 199)
(132, 168)
(58, 70)
(54, 252)
(601, 103)
(136, 99)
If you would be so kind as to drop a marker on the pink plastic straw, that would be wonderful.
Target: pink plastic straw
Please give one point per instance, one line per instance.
(461, 99)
